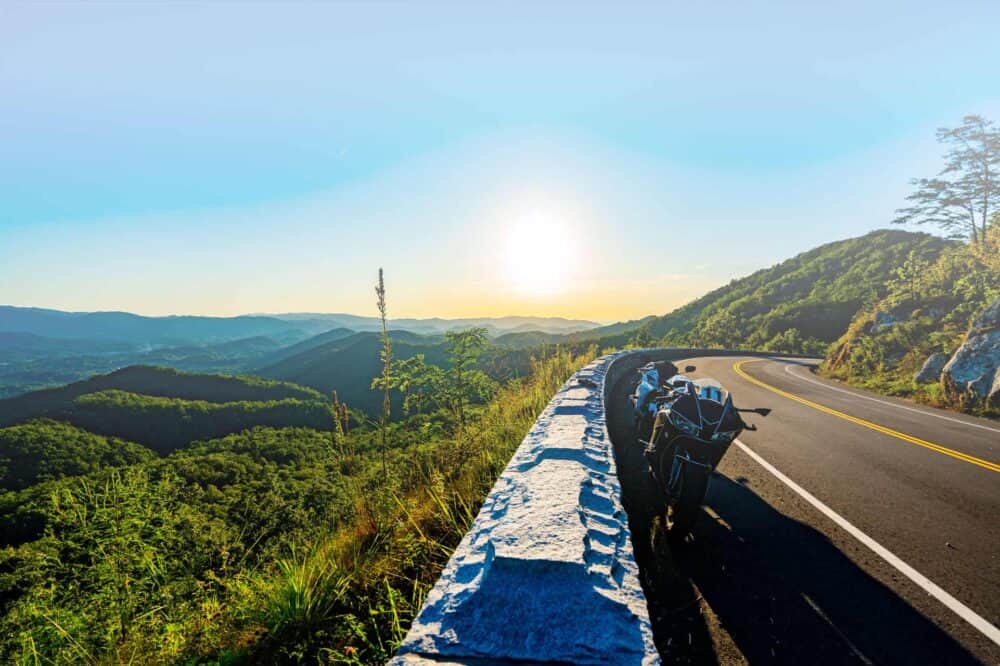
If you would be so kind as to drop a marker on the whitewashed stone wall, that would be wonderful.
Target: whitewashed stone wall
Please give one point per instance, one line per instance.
(547, 572)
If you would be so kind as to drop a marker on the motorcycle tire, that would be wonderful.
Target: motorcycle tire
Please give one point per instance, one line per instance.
(683, 513)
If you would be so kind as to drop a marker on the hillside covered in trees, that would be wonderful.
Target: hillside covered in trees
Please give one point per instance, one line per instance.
(927, 310)
(801, 305)
(156, 516)
(164, 409)
(935, 333)
(875, 308)
(346, 364)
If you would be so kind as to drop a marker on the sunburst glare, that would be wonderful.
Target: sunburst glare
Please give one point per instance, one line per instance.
(539, 256)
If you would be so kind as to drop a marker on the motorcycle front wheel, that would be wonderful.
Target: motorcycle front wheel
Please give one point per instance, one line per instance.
(682, 512)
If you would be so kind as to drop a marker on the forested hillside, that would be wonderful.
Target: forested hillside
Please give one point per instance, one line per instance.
(44, 450)
(153, 382)
(802, 304)
(928, 308)
(266, 545)
(347, 364)
(309, 343)
(29, 362)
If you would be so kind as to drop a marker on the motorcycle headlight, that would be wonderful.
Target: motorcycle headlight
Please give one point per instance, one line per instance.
(724, 436)
(684, 424)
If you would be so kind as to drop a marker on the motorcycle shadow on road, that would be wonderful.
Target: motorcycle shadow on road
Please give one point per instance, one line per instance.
(785, 594)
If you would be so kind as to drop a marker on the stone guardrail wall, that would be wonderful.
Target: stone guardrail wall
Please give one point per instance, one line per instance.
(547, 572)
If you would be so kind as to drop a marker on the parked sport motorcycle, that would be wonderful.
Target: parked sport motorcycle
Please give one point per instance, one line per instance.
(691, 424)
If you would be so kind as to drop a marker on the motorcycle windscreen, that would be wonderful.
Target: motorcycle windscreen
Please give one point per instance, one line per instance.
(711, 389)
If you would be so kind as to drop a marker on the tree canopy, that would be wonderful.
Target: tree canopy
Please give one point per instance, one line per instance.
(962, 198)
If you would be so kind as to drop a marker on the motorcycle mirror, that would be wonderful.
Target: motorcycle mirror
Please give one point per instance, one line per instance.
(763, 411)
(689, 368)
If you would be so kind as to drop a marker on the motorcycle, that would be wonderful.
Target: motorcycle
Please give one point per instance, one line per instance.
(691, 424)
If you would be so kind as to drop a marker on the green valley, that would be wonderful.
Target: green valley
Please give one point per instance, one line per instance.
(150, 513)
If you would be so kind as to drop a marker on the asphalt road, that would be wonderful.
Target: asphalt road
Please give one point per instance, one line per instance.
(767, 577)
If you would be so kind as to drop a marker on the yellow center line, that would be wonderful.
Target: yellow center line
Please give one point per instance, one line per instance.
(993, 467)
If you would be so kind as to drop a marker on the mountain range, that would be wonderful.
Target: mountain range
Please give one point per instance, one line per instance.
(177, 330)
(40, 348)
(802, 305)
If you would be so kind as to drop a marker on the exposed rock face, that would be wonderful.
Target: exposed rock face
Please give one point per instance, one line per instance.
(973, 373)
(931, 370)
(884, 320)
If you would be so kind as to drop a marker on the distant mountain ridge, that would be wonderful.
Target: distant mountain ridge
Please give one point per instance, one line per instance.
(153, 331)
(439, 325)
(41, 348)
(282, 328)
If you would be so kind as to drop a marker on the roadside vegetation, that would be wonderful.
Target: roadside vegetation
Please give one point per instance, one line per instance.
(928, 309)
(273, 543)
(932, 301)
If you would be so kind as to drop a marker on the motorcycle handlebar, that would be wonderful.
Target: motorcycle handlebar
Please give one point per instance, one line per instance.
(763, 411)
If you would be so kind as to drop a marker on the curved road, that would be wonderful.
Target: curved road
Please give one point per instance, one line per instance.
(850, 528)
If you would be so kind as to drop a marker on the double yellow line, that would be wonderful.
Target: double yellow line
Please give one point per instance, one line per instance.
(993, 467)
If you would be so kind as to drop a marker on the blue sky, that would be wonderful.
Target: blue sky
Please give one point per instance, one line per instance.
(222, 158)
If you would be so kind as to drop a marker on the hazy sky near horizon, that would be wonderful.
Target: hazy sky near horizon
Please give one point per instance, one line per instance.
(597, 160)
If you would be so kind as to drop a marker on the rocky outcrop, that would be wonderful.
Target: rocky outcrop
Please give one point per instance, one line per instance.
(972, 376)
(930, 372)
(883, 320)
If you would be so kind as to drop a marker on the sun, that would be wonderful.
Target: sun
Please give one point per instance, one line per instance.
(539, 256)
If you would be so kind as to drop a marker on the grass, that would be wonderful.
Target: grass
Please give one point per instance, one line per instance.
(352, 597)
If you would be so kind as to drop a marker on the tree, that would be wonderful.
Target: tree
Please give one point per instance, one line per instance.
(420, 383)
(341, 422)
(906, 278)
(386, 357)
(423, 384)
(961, 199)
(988, 251)
(721, 329)
(465, 381)
(643, 336)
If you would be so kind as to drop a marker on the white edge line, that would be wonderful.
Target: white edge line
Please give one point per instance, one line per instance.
(956, 606)
(788, 369)
(854, 648)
